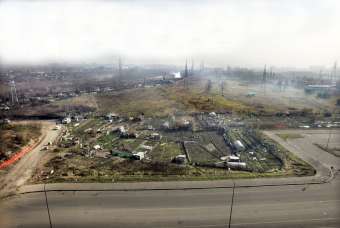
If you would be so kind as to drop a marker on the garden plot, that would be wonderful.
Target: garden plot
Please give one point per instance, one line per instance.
(251, 147)
(177, 136)
(199, 154)
(165, 152)
(202, 146)
(213, 140)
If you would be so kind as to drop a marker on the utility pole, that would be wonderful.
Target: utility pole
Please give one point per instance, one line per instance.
(329, 138)
(120, 68)
(222, 88)
(192, 67)
(14, 96)
(334, 71)
(329, 134)
(202, 66)
(264, 78)
(320, 75)
(186, 72)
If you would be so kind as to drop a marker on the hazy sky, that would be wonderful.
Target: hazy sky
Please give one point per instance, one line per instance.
(240, 32)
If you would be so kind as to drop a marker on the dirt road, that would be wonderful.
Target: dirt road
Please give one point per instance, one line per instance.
(22, 170)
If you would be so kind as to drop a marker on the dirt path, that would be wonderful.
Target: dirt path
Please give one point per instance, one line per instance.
(22, 170)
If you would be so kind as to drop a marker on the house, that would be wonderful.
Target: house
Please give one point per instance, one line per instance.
(176, 75)
(238, 145)
(251, 94)
(166, 125)
(237, 165)
(230, 158)
(96, 147)
(77, 118)
(4, 107)
(121, 130)
(233, 159)
(5, 121)
(139, 155)
(111, 116)
(180, 159)
(155, 136)
(66, 120)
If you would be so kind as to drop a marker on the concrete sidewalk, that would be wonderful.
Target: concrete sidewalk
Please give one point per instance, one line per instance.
(175, 185)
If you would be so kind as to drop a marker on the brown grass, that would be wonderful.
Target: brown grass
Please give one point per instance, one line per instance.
(15, 136)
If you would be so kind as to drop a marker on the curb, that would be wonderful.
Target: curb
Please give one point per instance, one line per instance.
(102, 187)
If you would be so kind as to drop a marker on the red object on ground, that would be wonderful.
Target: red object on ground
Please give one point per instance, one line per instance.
(280, 126)
(17, 156)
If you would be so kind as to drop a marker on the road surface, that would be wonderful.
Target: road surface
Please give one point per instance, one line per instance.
(23, 169)
(314, 205)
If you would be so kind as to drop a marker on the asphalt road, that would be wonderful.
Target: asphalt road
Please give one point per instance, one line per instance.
(316, 205)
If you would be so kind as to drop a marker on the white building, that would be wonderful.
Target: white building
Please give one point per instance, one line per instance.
(139, 155)
(66, 120)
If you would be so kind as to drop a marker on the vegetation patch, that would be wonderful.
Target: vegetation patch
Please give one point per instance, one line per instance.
(165, 151)
(15, 136)
(152, 102)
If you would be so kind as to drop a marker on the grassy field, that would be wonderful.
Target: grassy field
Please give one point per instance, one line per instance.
(150, 101)
(83, 100)
(196, 99)
(164, 101)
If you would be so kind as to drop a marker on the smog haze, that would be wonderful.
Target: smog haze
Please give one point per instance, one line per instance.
(244, 33)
